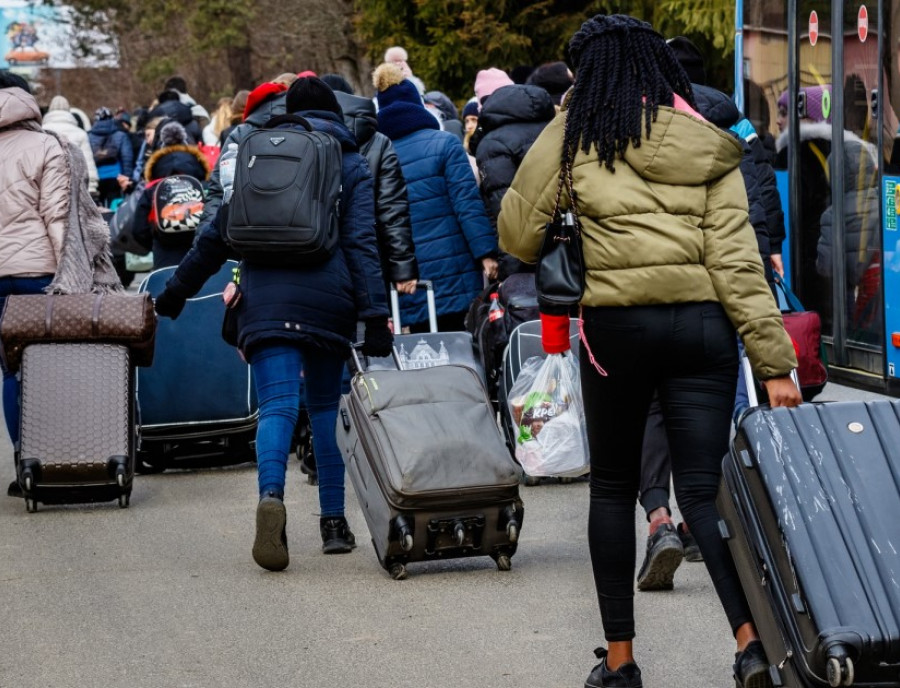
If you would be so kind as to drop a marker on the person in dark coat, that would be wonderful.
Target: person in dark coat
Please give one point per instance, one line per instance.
(510, 121)
(293, 319)
(175, 155)
(170, 105)
(115, 174)
(455, 244)
(392, 224)
(554, 77)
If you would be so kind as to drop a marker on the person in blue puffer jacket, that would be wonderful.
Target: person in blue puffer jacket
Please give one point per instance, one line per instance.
(113, 154)
(301, 319)
(452, 233)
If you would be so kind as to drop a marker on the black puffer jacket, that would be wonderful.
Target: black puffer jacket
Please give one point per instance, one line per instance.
(509, 123)
(720, 110)
(392, 225)
(181, 113)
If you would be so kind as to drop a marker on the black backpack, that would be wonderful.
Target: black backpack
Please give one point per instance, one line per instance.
(105, 152)
(284, 209)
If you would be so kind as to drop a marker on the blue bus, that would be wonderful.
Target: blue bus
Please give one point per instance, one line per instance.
(820, 81)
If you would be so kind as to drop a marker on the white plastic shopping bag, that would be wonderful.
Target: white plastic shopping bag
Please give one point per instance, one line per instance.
(546, 407)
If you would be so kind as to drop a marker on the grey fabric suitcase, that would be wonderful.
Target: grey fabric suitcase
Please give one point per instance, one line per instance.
(431, 471)
(77, 439)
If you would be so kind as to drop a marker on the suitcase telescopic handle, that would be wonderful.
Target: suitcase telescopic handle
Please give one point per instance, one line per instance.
(750, 381)
(429, 297)
(358, 363)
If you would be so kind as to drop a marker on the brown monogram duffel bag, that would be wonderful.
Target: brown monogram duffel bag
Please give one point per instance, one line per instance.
(127, 319)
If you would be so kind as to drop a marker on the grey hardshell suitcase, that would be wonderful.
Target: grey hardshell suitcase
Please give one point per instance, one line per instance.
(810, 505)
(429, 467)
(78, 436)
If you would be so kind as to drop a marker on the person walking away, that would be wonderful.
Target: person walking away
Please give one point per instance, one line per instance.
(175, 156)
(113, 156)
(455, 244)
(509, 122)
(666, 288)
(283, 329)
(59, 119)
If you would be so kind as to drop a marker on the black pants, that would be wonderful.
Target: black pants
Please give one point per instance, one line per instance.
(688, 353)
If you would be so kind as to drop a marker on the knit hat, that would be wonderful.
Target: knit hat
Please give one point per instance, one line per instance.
(311, 93)
(690, 59)
(392, 87)
(443, 103)
(306, 73)
(59, 103)
(336, 82)
(818, 102)
(172, 134)
(489, 80)
(102, 113)
(470, 109)
(261, 94)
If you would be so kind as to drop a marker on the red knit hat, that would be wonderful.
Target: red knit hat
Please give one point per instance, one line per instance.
(260, 94)
(307, 73)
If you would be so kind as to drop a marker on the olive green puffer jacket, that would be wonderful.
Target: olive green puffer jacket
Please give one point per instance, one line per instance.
(670, 225)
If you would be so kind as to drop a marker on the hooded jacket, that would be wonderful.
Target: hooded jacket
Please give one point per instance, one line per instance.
(315, 306)
(392, 225)
(510, 121)
(63, 123)
(450, 227)
(109, 128)
(34, 177)
(670, 225)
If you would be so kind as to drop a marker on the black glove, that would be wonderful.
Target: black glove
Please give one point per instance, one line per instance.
(379, 339)
(168, 305)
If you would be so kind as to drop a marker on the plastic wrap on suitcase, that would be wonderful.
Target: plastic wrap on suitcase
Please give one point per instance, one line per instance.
(77, 431)
(428, 464)
(810, 501)
(127, 319)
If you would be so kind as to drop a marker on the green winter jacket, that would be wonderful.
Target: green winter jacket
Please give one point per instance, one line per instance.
(670, 225)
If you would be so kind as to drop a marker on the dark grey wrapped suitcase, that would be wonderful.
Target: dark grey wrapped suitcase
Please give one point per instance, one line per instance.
(429, 466)
(77, 439)
(810, 505)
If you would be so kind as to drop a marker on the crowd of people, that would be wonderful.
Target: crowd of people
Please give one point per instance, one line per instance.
(679, 237)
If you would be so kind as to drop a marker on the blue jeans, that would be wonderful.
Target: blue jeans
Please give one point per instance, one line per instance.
(10, 286)
(276, 369)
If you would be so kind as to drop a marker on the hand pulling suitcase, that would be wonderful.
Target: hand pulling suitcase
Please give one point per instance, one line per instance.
(810, 505)
(197, 401)
(427, 349)
(429, 467)
(77, 438)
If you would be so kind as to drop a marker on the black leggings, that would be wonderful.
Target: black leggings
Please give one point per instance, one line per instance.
(688, 353)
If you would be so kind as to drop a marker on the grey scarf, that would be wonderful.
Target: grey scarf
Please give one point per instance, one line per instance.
(85, 265)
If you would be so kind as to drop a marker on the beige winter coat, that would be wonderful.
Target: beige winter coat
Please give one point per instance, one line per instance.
(64, 124)
(34, 189)
(670, 225)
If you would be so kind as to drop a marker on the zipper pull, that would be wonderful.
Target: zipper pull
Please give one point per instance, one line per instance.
(252, 160)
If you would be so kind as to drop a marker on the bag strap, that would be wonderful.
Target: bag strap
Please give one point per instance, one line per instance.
(792, 301)
(278, 120)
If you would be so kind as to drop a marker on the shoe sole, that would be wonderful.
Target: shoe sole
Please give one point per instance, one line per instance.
(269, 551)
(660, 574)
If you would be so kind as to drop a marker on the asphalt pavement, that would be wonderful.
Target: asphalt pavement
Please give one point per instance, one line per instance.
(165, 594)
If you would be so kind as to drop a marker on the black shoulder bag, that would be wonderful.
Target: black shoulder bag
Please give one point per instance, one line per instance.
(560, 270)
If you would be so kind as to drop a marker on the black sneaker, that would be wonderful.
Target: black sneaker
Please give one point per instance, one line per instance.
(664, 555)
(628, 675)
(14, 489)
(751, 668)
(689, 544)
(270, 549)
(336, 535)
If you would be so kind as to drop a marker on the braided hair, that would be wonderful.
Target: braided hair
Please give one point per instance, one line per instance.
(625, 71)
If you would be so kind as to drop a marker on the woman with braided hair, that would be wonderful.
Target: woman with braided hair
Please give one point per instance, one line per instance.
(671, 271)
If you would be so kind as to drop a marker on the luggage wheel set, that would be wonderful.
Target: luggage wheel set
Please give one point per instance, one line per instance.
(118, 488)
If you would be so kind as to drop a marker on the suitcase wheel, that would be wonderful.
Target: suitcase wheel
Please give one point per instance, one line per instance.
(29, 482)
(504, 563)
(120, 480)
(31, 505)
(840, 671)
(406, 544)
(532, 480)
(512, 531)
(398, 571)
(124, 500)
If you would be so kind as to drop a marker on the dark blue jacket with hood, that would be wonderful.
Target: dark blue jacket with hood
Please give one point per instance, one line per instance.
(313, 306)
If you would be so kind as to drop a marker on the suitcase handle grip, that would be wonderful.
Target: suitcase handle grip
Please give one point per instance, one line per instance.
(345, 420)
(429, 297)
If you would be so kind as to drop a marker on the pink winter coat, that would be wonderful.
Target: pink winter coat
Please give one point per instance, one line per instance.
(34, 189)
